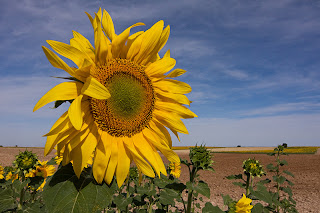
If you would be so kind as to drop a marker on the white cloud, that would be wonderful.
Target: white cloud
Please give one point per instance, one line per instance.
(296, 130)
(20, 94)
(286, 108)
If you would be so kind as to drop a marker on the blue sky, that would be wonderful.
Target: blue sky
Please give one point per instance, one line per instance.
(253, 65)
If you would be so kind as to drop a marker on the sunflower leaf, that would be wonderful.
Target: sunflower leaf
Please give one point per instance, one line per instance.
(64, 192)
(7, 200)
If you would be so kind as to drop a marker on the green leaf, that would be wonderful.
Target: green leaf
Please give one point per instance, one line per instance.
(288, 173)
(7, 200)
(233, 177)
(262, 194)
(122, 202)
(279, 179)
(167, 197)
(265, 181)
(226, 199)
(242, 185)
(289, 182)
(35, 207)
(209, 208)
(283, 162)
(58, 103)
(64, 192)
(203, 189)
(258, 208)
(176, 186)
(19, 185)
(287, 190)
(189, 185)
(271, 167)
(271, 154)
(52, 162)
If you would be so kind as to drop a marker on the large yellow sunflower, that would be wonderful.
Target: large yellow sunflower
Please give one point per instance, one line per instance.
(122, 101)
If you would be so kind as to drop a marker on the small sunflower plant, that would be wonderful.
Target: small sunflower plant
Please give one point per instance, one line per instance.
(22, 183)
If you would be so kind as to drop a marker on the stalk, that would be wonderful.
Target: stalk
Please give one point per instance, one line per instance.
(190, 193)
(247, 184)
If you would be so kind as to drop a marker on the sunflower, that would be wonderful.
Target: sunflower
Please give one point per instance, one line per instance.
(1, 172)
(123, 100)
(244, 205)
(175, 169)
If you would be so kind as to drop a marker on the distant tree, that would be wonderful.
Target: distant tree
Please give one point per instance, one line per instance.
(285, 145)
(239, 146)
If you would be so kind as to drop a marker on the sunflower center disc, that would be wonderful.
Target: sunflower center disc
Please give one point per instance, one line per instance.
(129, 109)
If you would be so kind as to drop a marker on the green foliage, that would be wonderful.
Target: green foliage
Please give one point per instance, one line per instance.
(280, 198)
(65, 192)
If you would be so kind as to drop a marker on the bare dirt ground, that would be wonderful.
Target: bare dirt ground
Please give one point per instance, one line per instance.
(306, 169)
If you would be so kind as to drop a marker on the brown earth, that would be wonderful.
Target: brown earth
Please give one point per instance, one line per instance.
(306, 169)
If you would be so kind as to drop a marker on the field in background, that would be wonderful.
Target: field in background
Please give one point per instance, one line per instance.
(257, 150)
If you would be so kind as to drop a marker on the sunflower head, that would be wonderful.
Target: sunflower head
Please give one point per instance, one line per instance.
(25, 160)
(175, 169)
(200, 157)
(244, 205)
(1, 172)
(44, 170)
(252, 167)
(124, 98)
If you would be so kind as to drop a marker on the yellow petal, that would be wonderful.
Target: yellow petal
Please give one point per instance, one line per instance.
(95, 89)
(165, 150)
(124, 165)
(135, 45)
(130, 41)
(173, 86)
(176, 73)
(59, 124)
(113, 162)
(68, 134)
(81, 154)
(53, 140)
(162, 41)
(93, 21)
(101, 44)
(162, 168)
(145, 150)
(63, 91)
(171, 120)
(80, 42)
(108, 26)
(161, 131)
(119, 41)
(150, 40)
(68, 51)
(167, 54)
(172, 97)
(176, 108)
(80, 136)
(57, 62)
(160, 67)
(102, 156)
(75, 114)
(142, 165)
